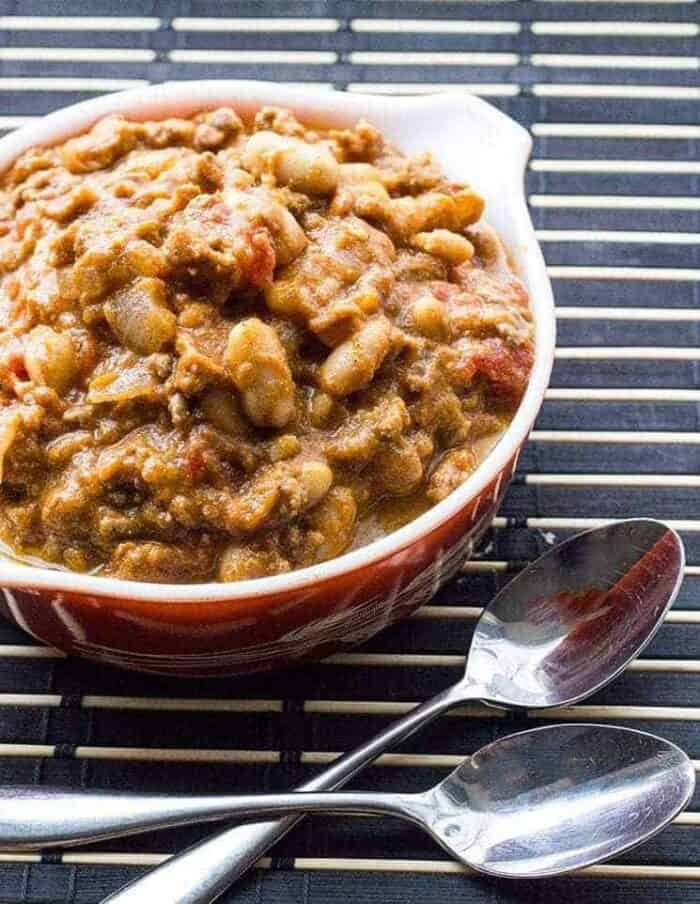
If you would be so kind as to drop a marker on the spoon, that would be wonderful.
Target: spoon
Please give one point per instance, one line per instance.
(562, 629)
(533, 804)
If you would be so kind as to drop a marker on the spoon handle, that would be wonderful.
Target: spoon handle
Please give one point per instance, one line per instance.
(201, 873)
(37, 817)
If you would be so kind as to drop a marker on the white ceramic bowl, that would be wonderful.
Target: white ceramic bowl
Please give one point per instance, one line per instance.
(226, 628)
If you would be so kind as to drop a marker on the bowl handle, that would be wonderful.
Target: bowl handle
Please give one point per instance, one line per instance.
(482, 144)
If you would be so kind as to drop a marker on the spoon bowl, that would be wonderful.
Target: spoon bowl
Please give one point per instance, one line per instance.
(574, 619)
(558, 798)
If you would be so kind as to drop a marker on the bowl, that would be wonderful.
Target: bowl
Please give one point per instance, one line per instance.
(224, 629)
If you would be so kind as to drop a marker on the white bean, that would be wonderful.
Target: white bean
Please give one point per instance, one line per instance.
(50, 358)
(353, 363)
(488, 246)
(287, 235)
(257, 362)
(242, 562)
(316, 478)
(448, 246)
(140, 317)
(334, 520)
(429, 317)
(309, 168)
(469, 207)
(399, 467)
(454, 468)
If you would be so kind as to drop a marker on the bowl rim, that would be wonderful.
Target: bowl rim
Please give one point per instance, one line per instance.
(189, 96)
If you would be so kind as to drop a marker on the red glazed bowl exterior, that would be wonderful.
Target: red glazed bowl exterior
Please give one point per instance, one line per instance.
(249, 626)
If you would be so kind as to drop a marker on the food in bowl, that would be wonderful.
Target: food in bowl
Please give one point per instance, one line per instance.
(230, 350)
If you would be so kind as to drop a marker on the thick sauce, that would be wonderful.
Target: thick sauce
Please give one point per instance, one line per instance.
(228, 351)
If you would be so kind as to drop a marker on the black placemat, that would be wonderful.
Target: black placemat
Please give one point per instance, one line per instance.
(610, 92)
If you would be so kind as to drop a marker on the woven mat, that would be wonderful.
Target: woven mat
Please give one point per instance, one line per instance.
(610, 92)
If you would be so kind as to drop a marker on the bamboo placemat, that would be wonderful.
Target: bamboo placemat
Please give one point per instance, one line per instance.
(610, 93)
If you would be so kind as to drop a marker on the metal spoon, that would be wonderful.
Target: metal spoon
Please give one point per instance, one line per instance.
(563, 628)
(533, 804)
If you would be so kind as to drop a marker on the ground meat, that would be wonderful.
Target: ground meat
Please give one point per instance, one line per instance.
(230, 349)
(341, 277)
(162, 563)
